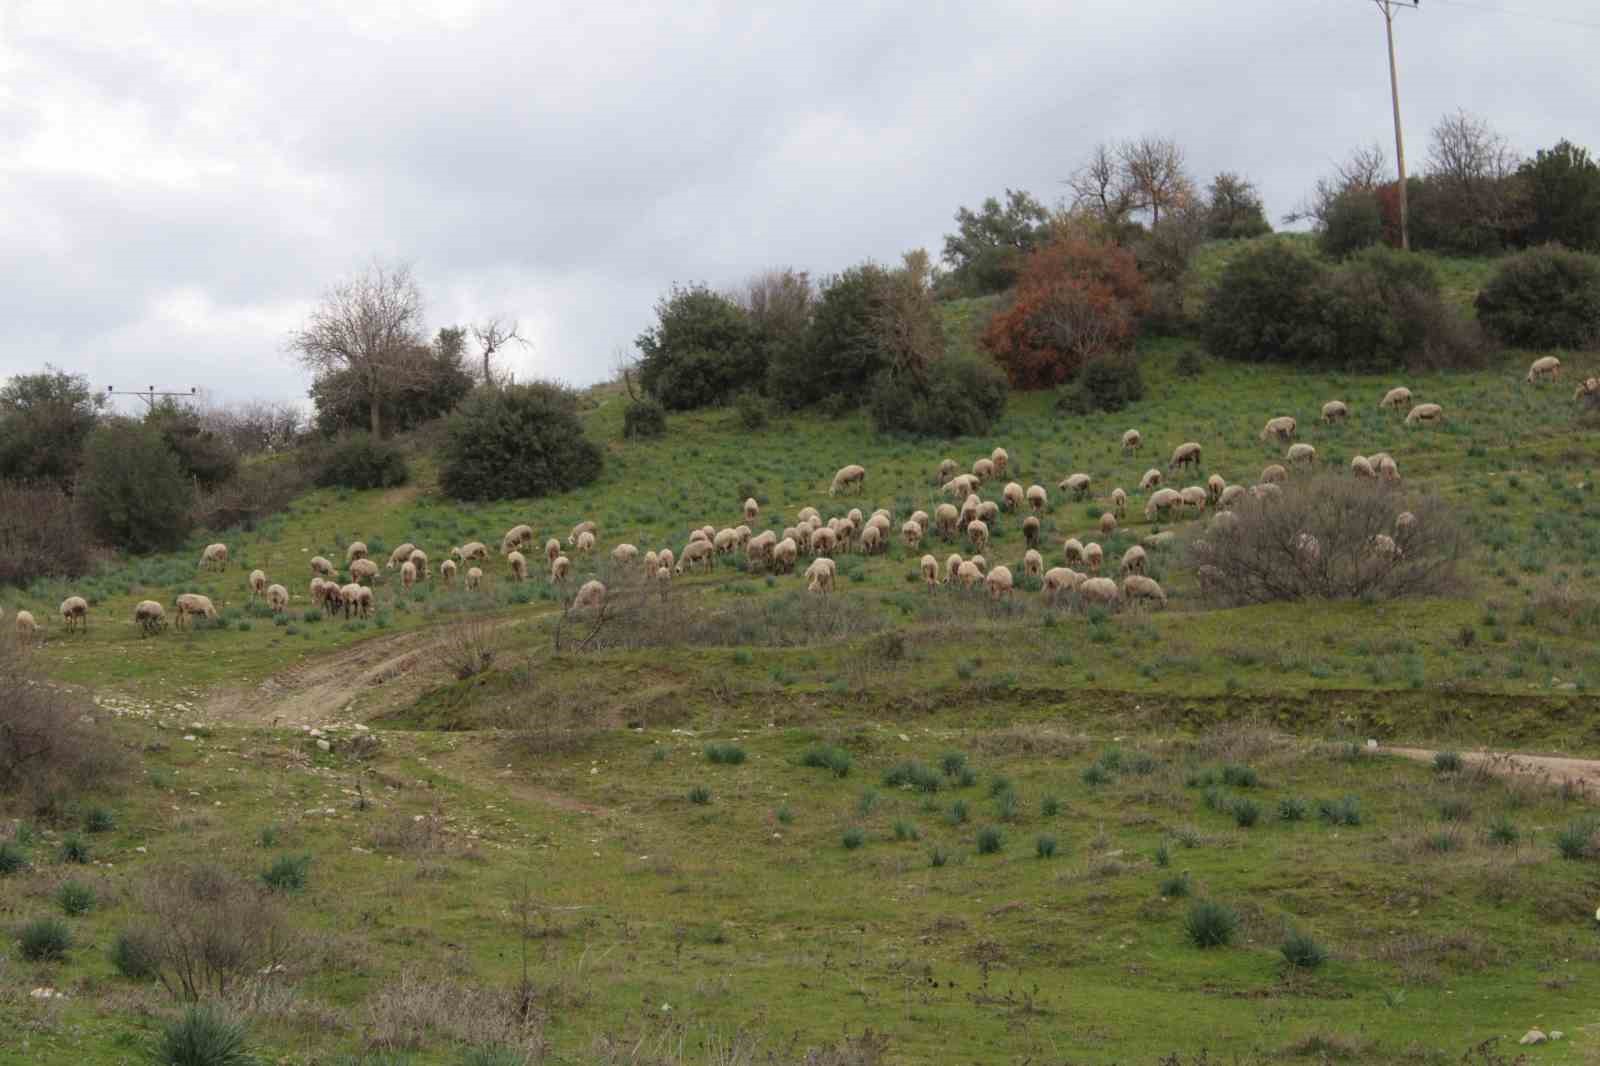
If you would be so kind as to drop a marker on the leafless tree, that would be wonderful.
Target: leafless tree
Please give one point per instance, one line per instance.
(1365, 169)
(493, 334)
(1100, 185)
(906, 321)
(779, 302)
(1154, 176)
(370, 326)
(1465, 150)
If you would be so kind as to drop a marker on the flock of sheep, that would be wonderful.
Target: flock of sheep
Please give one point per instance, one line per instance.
(966, 515)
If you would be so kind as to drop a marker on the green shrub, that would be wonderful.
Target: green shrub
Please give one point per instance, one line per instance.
(913, 775)
(853, 838)
(287, 873)
(1178, 887)
(75, 898)
(1210, 925)
(1545, 297)
(828, 757)
(990, 840)
(958, 812)
(134, 491)
(904, 830)
(74, 849)
(644, 420)
(1239, 776)
(518, 441)
(204, 1036)
(1246, 813)
(1447, 762)
(1007, 805)
(1292, 809)
(135, 954)
(702, 350)
(937, 856)
(952, 763)
(700, 795)
(954, 396)
(1049, 806)
(44, 940)
(12, 859)
(1455, 810)
(360, 461)
(842, 351)
(725, 754)
(1563, 187)
(1302, 951)
(1576, 840)
(1045, 847)
(752, 410)
(1354, 221)
(1095, 775)
(1503, 831)
(1346, 811)
(1107, 383)
(98, 820)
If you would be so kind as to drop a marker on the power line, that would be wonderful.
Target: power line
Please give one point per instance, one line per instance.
(1515, 13)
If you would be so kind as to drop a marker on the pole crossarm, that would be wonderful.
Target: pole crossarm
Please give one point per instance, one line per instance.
(151, 395)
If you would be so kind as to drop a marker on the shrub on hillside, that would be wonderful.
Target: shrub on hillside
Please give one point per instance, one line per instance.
(262, 488)
(752, 410)
(1233, 209)
(44, 420)
(133, 489)
(1075, 300)
(1333, 538)
(48, 752)
(1563, 190)
(702, 350)
(426, 385)
(204, 1036)
(205, 456)
(1546, 297)
(210, 929)
(1106, 384)
(358, 461)
(843, 350)
(41, 534)
(1260, 307)
(515, 442)
(1354, 220)
(985, 251)
(644, 419)
(956, 396)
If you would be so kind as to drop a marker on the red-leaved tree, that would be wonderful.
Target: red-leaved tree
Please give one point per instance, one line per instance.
(1075, 300)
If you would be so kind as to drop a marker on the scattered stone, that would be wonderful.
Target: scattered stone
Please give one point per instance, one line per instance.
(1372, 745)
(1533, 1036)
(1556, 1034)
(323, 745)
(189, 737)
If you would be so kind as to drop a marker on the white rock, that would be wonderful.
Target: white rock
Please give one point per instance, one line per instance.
(189, 737)
(1533, 1036)
(1372, 745)
(1556, 1034)
(323, 745)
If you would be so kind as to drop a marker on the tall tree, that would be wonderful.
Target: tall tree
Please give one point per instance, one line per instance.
(989, 243)
(1100, 186)
(364, 334)
(44, 420)
(1563, 187)
(493, 334)
(1233, 208)
(1154, 175)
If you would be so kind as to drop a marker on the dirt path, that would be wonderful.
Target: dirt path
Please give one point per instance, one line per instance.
(1551, 768)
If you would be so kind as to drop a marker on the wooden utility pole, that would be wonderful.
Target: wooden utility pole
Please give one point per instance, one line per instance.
(1387, 7)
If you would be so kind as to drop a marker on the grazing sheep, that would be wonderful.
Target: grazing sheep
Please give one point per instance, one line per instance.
(447, 572)
(552, 548)
(981, 563)
(1334, 410)
(1038, 498)
(1001, 460)
(75, 613)
(948, 468)
(1133, 561)
(855, 517)
(320, 567)
(192, 603)
(1032, 564)
(695, 553)
(969, 509)
(1231, 496)
(151, 617)
(476, 552)
(1072, 551)
(624, 554)
(1059, 579)
(921, 519)
(25, 626)
(824, 541)
(1011, 496)
(215, 557)
(1159, 540)
(883, 520)
(475, 576)
(999, 583)
(1586, 387)
(1274, 474)
(700, 534)
(665, 558)
(1131, 440)
(1360, 466)
(1424, 412)
(1397, 398)
(761, 547)
(946, 518)
(1267, 490)
(808, 514)
(911, 536)
(1119, 502)
(1388, 469)
(277, 598)
(363, 602)
(978, 534)
(960, 487)
(1136, 587)
(784, 554)
(1215, 486)
(1301, 453)
(725, 541)
(744, 534)
(752, 510)
(1093, 556)
(364, 570)
(952, 567)
(968, 574)
(983, 469)
(1384, 545)
(1108, 523)
(419, 559)
(518, 563)
(580, 529)
(1030, 531)
(1195, 497)
(318, 591)
(356, 550)
(930, 572)
(585, 542)
(846, 477)
(1186, 454)
(1151, 479)
(845, 530)
(408, 573)
(562, 568)
(1405, 522)
(872, 541)
(258, 583)
(1077, 484)
(819, 576)
(1546, 366)
(988, 511)
(1224, 522)
(1281, 428)
(663, 579)
(591, 597)
(332, 599)
(516, 538)
(1160, 502)
(1101, 591)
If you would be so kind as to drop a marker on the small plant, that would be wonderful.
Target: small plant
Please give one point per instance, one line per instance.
(1210, 925)
(99, 820)
(853, 838)
(267, 836)
(204, 1036)
(1045, 847)
(967, 777)
(1096, 775)
(1503, 831)
(1346, 811)
(1245, 813)
(937, 856)
(1178, 887)
(904, 830)
(1445, 840)
(44, 940)
(1239, 776)
(784, 814)
(12, 859)
(913, 775)
(966, 669)
(725, 754)
(1049, 806)
(1447, 762)
(1214, 798)
(74, 849)
(990, 840)
(700, 795)
(1455, 809)
(999, 783)
(1576, 839)
(1302, 951)
(1111, 759)
(135, 955)
(958, 812)
(1162, 855)
(827, 757)
(1292, 809)
(75, 898)
(952, 763)
(287, 873)
(1007, 806)
(868, 802)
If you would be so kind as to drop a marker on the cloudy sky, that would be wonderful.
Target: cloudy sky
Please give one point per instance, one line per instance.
(180, 181)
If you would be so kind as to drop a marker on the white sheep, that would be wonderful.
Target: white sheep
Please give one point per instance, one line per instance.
(192, 603)
(419, 559)
(911, 536)
(1059, 579)
(1307, 548)
(1544, 367)
(872, 540)
(981, 563)
(983, 469)
(1119, 502)
(1136, 587)
(1077, 484)
(725, 541)
(920, 517)
(151, 617)
(946, 519)
(665, 558)
(1334, 411)
(1586, 387)
(948, 468)
(752, 510)
(846, 532)
(1108, 523)
(1274, 473)
(847, 476)
(560, 570)
(1384, 545)
(402, 553)
(1032, 564)
(1267, 490)
(1225, 521)
(75, 613)
(447, 572)
(1398, 397)
(408, 573)
(519, 566)
(663, 578)
(1101, 591)
(695, 553)
(1195, 497)
(960, 487)
(321, 567)
(1131, 440)
(978, 534)
(1185, 454)
(819, 576)
(625, 554)
(1072, 551)
(824, 541)
(988, 511)
(999, 582)
(475, 552)
(1360, 466)
(1001, 460)
(1150, 480)
(580, 529)
(215, 557)
(784, 554)
(744, 533)
(1424, 412)
(1093, 556)
(1405, 523)
(808, 514)
(1301, 453)
(318, 587)
(516, 538)
(1281, 428)
(591, 597)
(1038, 498)
(968, 574)
(952, 567)
(258, 584)
(1215, 486)
(1388, 469)
(552, 548)
(277, 598)
(585, 542)
(1133, 561)
(356, 550)
(930, 571)
(1231, 496)
(363, 570)
(475, 575)
(1012, 496)
(1160, 502)
(25, 626)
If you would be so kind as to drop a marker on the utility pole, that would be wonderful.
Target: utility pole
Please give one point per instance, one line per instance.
(1387, 7)
(149, 397)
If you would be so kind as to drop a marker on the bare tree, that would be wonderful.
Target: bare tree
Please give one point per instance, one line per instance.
(1364, 170)
(1466, 150)
(1100, 185)
(369, 326)
(779, 302)
(1154, 176)
(905, 320)
(493, 334)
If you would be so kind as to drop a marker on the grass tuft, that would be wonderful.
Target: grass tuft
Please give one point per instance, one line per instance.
(990, 840)
(75, 898)
(1210, 924)
(1302, 951)
(44, 940)
(287, 873)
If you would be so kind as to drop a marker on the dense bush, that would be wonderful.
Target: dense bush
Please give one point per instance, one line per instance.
(133, 490)
(135, 954)
(702, 350)
(40, 534)
(1562, 185)
(752, 410)
(425, 386)
(263, 487)
(957, 396)
(1210, 925)
(44, 940)
(988, 246)
(1354, 221)
(357, 461)
(843, 350)
(518, 441)
(644, 419)
(1547, 297)
(44, 420)
(210, 929)
(204, 456)
(1076, 300)
(1109, 383)
(1234, 210)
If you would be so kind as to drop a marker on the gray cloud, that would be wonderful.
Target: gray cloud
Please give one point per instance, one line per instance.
(177, 188)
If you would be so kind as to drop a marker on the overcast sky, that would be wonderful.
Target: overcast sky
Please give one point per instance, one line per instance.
(178, 186)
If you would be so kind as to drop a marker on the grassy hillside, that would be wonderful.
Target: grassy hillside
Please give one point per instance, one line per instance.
(743, 821)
